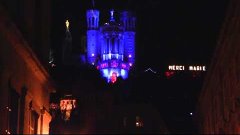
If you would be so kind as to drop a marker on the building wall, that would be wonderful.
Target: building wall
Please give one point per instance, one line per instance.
(219, 104)
(92, 38)
(123, 119)
(92, 35)
(129, 48)
(33, 19)
(22, 75)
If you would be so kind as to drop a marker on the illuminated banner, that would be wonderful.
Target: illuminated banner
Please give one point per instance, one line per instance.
(197, 68)
(182, 67)
(175, 67)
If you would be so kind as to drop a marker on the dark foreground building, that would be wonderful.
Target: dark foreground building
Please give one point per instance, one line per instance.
(219, 102)
(24, 81)
(102, 107)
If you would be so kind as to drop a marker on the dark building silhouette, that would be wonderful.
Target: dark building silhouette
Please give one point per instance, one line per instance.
(218, 104)
(33, 19)
(24, 81)
(102, 107)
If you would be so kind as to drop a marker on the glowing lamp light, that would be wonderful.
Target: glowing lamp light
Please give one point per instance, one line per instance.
(53, 65)
(66, 105)
(54, 106)
(92, 54)
(7, 132)
(105, 72)
(130, 56)
(123, 72)
(130, 64)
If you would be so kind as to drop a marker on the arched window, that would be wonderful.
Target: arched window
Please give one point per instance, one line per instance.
(93, 22)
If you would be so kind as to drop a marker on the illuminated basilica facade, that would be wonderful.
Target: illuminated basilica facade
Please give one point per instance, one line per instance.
(111, 47)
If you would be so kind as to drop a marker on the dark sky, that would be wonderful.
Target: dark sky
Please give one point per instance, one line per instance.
(168, 31)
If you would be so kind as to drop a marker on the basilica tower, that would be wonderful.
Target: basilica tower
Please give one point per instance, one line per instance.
(111, 46)
(128, 20)
(92, 35)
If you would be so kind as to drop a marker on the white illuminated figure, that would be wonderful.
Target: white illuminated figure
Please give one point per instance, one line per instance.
(112, 18)
(67, 24)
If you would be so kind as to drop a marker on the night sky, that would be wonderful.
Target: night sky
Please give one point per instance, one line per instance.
(168, 32)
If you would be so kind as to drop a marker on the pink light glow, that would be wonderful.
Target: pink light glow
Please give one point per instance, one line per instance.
(114, 77)
(104, 65)
(124, 66)
(169, 74)
(114, 64)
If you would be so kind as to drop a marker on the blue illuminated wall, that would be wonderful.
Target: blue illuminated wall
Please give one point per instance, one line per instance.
(111, 47)
(128, 20)
(92, 35)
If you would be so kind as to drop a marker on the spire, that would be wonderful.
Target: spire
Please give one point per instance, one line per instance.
(93, 4)
(67, 45)
(112, 17)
